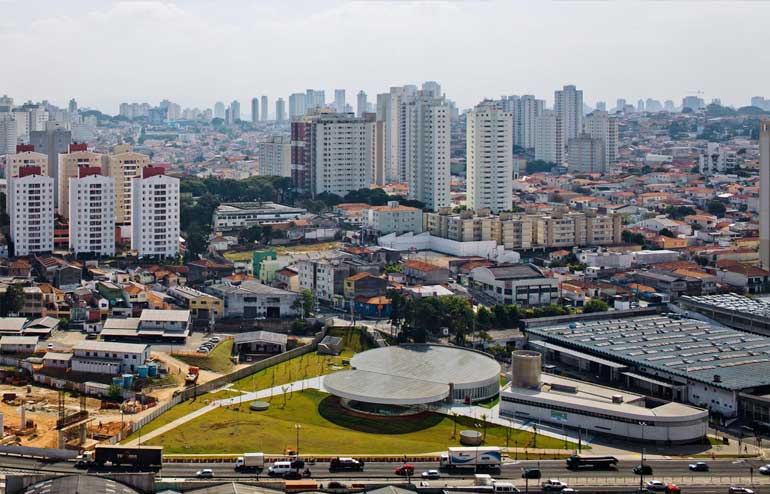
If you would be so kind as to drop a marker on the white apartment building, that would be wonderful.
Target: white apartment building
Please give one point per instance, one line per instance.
(91, 201)
(275, 156)
(389, 112)
(549, 138)
(13, 162)
(587, 154)
(424, 137)
(155, 214)
(393, 218)
(601, 125)
(568, 103)
(361, 104)
(489, 154)
(764, 194)
(8, 133)
(123, 167)
(524, 111)
(297, 106)
(340, 150)
(30, 207)
(69, 165)
(716, 159)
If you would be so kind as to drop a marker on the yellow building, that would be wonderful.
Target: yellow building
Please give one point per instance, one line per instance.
(198, 303)
(69, 163)
(123, 167)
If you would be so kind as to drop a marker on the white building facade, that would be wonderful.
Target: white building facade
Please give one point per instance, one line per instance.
(601, 125)
(155, 214)
(549, 138)
(489, 154)
(30, 205)
(275, 156)
(92, 213)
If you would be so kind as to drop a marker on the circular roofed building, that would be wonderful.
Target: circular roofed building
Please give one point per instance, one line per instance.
(416, 374)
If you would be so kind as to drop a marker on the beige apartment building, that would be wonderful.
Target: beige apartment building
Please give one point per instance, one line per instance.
(69, 164)
(25, 158)
(123, 167)
(517, 231)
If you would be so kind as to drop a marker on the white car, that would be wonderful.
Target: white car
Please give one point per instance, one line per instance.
(655, 486)
(764, 470)
(431, 474)
(740, 490)
(206, 473)
(215, 339)
(554, 485)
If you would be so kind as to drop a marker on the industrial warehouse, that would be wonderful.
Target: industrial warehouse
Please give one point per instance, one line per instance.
(547, 398)
(412, 375)
(723, 370)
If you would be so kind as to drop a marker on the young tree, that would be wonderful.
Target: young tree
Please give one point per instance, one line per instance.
(12, 300)
(305, 303)
(595, 305)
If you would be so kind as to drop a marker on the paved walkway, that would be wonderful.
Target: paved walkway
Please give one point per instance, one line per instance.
(313, 382)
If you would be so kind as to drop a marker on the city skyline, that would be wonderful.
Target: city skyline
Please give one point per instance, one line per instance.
(205, 56)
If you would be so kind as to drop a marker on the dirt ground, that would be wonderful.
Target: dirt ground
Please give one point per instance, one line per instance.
(41, 406)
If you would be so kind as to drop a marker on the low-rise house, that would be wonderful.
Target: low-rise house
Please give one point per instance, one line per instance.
(201, 305)
(364, 285)
(743, 278)
(259, 343)
(204, 269)
(18, 345)
(254, 300)
(372, 307)
(521, 284)
(12, 326)
(42, 327)
(393, 218)
(57, 360)
(171, 324)
(103, 357)
(421, 272)
(287, 279)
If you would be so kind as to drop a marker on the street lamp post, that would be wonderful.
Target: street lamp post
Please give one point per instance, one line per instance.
(641, 466)
(296, 450)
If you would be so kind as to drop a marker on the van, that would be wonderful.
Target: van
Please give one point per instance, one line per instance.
(505, 488)
(279, 468)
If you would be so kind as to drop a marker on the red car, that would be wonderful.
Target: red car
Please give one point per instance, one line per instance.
(405, 469)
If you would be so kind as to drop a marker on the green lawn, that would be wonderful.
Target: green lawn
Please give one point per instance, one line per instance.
(327, 428)
(305, 366)
(239, 256)
(181, 410)
(218, 360)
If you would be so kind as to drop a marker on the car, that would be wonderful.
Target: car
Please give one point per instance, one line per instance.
(206, 473)
(554, 485)
(531, 473)
(405, 469)
(215, 339)
(430, 475)
(699, 466)
(655, 486)
(50, 346)
(764, 469)
(92, 336)
(739, 490)
(346, 464)
(643, 470)
(203, 350)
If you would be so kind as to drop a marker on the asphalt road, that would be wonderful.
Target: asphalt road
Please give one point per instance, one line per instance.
(664, 470)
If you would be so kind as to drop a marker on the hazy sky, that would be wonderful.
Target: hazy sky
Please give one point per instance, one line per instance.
(196, 52)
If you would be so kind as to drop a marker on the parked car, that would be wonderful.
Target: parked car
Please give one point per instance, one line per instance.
(215, 339)
(206, 473)
(431, 474)
(50, 346)
(700, 466)
(739, 490)
(655, 486)
(643, 470)
(405, 469)
(764, 469)
(554, 485)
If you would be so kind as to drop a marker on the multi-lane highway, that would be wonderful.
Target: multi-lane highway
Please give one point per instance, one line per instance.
(662, 470)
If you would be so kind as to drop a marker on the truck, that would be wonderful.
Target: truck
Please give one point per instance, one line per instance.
(192, 376)
(250, 461)
(575, 462)
(488, 457)
(138, 457)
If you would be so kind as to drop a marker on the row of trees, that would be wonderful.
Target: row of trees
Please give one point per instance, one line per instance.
(418, 320)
